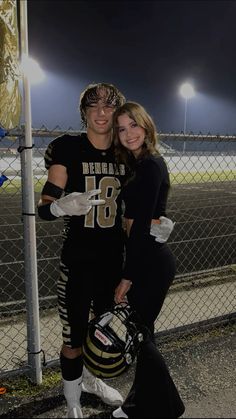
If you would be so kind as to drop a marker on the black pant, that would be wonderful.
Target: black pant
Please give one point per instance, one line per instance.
(148, 292)
(85, 277)
(153, 393)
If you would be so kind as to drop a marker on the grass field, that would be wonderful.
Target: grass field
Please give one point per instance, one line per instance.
(14, 184)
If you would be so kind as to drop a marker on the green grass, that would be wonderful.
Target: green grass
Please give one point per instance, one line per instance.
(14, 185)
(21, 386)
(202, 177)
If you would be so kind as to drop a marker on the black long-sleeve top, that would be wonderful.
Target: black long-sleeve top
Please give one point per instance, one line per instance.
(145, 198)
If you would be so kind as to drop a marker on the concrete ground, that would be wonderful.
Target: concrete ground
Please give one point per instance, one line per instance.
(203, 367)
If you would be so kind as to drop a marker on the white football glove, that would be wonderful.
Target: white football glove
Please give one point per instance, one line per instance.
(161, 231)
(76, 203)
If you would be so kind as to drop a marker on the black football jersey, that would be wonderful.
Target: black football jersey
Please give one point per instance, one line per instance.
(89, 168)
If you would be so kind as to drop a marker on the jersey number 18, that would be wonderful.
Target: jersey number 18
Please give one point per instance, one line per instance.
(104, 214)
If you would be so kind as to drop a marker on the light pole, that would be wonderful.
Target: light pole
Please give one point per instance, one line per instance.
(187, 91)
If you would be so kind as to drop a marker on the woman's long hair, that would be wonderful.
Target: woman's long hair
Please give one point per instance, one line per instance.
(136, 112)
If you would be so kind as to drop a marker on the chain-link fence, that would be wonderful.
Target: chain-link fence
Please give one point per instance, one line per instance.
(202, 202)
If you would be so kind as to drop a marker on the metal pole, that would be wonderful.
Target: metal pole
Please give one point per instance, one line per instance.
(28, 212)
(185, 121)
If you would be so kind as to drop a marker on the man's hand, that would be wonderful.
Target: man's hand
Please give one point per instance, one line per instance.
(76, 203)
(162, 229)
(121, 291)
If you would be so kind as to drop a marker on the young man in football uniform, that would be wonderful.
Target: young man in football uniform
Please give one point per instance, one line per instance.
(83, 186)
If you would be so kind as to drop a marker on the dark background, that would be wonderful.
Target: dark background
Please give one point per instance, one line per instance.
(147, 49)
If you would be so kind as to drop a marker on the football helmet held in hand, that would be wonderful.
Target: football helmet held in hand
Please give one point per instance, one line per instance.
(112, 342)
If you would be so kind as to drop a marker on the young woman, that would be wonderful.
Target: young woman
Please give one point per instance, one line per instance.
(150, 265)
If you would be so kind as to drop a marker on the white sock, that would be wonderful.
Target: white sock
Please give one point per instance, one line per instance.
(72, 391)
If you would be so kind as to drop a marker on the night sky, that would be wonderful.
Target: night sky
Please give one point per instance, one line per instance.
(147, 49)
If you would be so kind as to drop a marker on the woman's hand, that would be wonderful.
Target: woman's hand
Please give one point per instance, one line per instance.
(161, 229)
(121, 291)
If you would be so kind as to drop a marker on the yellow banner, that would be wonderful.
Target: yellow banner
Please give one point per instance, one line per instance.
(10, 99)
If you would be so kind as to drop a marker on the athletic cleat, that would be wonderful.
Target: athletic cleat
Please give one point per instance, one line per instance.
(74, 412)
(119, 413)
(94, 385)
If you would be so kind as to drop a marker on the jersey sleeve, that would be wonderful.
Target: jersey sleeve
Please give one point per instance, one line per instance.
(56, 152)
(148, 184)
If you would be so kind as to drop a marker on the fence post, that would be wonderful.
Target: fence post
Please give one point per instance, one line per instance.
(28, 206)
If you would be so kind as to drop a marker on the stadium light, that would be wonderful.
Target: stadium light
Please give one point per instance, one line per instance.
(31, 69)
(187, 92)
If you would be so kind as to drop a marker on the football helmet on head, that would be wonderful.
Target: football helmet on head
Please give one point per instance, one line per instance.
(112, 342)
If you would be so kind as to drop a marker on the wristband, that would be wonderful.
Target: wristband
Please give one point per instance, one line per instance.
(44, 212)
(52, 190)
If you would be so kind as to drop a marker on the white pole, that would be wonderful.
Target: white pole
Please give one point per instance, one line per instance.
(185, 121)
(28, 205)
(185, 114)
(187, 91)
